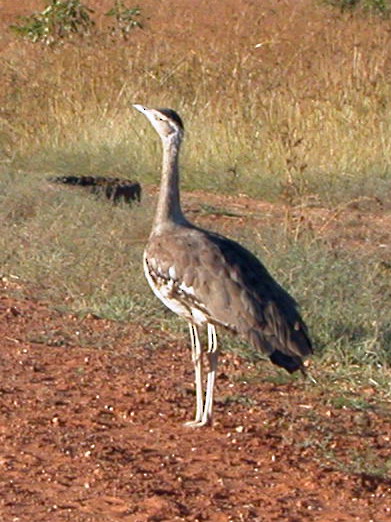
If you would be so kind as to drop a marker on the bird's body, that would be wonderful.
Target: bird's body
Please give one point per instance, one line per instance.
(211, 280)
(207, 278)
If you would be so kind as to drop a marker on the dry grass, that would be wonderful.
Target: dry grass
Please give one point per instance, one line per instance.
(295, 96)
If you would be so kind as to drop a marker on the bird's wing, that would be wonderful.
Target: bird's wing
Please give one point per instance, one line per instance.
(233, 289)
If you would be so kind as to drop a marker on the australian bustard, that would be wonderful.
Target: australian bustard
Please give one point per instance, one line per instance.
(211, 280)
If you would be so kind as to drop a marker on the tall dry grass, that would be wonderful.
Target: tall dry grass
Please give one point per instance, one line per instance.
(293, 94)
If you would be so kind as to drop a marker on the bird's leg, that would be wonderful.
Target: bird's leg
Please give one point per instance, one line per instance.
(196, 352)
(213, 356)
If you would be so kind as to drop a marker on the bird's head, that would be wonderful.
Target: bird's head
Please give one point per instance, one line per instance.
(166, 122)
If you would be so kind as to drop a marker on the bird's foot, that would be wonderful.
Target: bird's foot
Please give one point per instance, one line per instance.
(197, 423)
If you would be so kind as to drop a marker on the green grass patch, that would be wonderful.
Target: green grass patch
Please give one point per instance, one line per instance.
(84, 255)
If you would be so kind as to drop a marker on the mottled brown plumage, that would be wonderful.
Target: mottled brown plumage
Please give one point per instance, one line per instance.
(231, 288)
(214, 281)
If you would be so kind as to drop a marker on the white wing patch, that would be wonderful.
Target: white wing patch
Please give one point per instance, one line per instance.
(186, 289)
(198, 316)
(165, 293)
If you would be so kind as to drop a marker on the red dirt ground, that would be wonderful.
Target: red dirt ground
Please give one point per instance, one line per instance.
(91, 430)
(92, 412)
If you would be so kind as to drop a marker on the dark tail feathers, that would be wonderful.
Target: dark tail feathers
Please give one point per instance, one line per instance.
(114, 189)
(289, 362)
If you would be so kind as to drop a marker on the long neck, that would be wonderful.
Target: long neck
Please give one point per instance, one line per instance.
(169, 206)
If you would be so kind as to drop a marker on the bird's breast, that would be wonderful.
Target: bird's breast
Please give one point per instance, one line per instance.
(178, 296)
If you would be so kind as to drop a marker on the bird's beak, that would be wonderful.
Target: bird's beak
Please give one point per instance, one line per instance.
(140, 108)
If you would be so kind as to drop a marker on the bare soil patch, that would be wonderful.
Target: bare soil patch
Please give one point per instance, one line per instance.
(92, 412)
